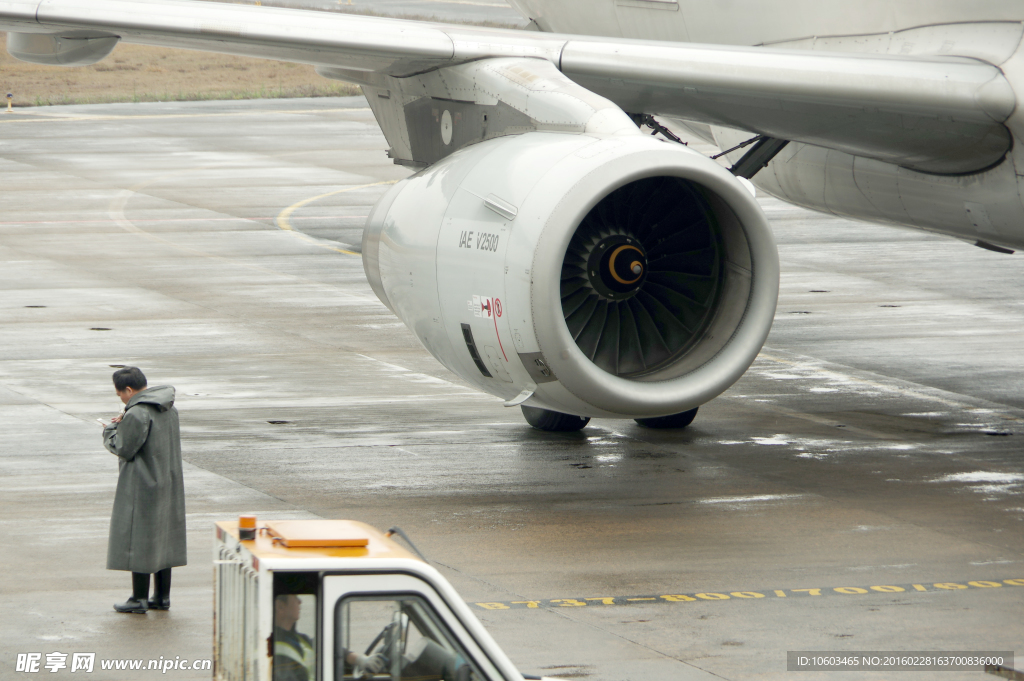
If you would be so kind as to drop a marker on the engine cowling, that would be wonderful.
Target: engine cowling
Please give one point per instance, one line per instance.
(609, 277)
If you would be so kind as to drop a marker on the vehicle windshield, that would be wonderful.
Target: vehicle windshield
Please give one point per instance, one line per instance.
(391, 639)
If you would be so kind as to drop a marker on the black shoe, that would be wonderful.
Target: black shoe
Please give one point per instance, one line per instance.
(132, 605)
(159, 603)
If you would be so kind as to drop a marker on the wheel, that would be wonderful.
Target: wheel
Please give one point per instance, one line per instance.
(680, 420)
(553, 421)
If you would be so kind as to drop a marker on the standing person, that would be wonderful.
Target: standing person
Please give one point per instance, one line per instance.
(147, 525)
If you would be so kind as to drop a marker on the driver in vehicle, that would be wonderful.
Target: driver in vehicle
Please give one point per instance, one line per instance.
(295, 652)
(408, 649)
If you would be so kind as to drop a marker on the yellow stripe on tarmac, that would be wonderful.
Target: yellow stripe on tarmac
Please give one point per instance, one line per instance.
(713, 596)
(283, 218)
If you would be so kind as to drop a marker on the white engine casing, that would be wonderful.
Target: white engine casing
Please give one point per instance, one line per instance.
(478, 239)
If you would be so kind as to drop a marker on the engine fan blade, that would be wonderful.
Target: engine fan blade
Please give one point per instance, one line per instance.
(641, 275)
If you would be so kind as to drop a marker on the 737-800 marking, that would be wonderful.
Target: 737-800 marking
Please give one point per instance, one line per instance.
(484, 241)
(905, 589)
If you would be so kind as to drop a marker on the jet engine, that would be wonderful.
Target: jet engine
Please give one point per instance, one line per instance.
(617, 276)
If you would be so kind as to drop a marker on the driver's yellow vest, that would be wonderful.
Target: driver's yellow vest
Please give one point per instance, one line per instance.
(304, 655)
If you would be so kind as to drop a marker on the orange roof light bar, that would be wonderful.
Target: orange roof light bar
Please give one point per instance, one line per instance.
(316, 533)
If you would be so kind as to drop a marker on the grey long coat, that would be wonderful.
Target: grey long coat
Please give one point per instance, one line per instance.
(147, 525)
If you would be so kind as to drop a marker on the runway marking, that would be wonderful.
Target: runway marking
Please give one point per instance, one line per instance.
(46, 117)
(284, 217)
(715, 596)
(117, 207)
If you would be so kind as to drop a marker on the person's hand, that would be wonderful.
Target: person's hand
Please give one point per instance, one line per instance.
(116, 419)
(374, 664)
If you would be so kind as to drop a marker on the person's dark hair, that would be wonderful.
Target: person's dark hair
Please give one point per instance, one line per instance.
(129, 377)
(299, 583)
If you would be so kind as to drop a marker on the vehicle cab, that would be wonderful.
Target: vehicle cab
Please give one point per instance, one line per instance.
(338, 600)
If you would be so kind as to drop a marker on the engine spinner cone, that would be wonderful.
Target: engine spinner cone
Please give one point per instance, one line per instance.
(617, 267)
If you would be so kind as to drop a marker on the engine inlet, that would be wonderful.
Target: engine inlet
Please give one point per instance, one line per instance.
(642, 275)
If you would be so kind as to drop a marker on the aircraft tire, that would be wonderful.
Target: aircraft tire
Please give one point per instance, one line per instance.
(680, 420)
(553, 421)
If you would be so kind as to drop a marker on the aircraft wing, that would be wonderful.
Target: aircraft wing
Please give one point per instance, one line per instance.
(936, 114)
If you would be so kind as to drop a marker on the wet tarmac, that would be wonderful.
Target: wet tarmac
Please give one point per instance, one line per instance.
(861, 488)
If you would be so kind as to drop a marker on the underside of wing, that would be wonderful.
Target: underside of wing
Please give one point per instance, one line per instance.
(940, 115)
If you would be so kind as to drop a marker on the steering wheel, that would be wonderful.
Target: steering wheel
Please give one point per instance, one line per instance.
(375, 641)
(392, 647)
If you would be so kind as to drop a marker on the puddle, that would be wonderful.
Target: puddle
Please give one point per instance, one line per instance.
(983, 476)
(750, 499)
(775, 440)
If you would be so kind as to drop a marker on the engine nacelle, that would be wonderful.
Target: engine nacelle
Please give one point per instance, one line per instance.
(70, 48)
(611, 277)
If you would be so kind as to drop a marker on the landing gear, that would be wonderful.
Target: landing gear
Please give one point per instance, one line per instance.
(553, 421)
(680, 420)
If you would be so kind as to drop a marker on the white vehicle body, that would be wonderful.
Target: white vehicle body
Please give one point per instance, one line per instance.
(250, 574)
(503, 253)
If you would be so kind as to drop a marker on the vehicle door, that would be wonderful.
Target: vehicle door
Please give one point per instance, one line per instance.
(396, 627)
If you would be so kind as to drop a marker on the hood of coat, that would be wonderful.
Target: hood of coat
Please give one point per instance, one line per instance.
(160, 396)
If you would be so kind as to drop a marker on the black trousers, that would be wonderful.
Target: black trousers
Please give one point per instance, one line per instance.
(161, 585)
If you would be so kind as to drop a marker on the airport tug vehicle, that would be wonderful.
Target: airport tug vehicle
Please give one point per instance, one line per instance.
(334, 600)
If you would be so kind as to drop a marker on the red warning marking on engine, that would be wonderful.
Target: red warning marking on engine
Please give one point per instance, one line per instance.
(497, 313)
(481, 306)
(488, 308)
